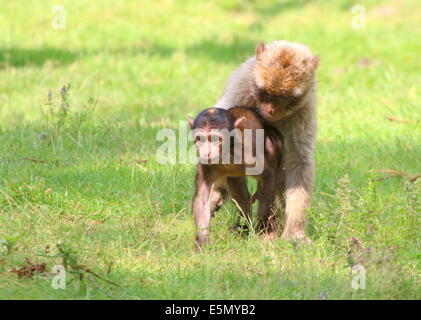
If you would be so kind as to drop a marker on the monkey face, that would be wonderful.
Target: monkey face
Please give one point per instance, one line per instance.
(283, 73)
(274, 107)
(209, 145)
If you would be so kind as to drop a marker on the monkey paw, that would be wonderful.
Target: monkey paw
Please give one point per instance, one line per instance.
(201, 241)
(269, 236)
(298, 237)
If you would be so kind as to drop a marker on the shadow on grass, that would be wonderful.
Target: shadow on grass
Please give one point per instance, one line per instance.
(149, 49)
(37, 57)
(21, 57)
(266, 9)
(276, 7)
(212, 48)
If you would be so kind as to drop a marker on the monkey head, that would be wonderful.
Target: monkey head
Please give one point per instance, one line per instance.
(211, 129)
(283, 74)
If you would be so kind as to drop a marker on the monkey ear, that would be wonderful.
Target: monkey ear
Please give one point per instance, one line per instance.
(240, 122)
(191, 122)
(260, 48)
(314, 63)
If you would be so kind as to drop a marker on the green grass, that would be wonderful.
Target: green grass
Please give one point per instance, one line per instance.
(138, 66)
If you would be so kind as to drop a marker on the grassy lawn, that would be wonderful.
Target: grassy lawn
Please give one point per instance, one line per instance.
(79, 182)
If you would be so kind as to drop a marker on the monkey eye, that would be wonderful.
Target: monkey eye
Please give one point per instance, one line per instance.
(198, 139)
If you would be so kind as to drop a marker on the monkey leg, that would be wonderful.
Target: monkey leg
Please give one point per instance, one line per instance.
(266, 213)
(299, 184)
(240, 194)
(202, 215)
(279, 201)
(204, 205)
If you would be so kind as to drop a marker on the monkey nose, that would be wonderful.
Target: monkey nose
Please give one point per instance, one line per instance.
(269, 108)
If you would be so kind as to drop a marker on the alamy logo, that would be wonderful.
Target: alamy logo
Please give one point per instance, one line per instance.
(215, 146)
(59, 17)
(59, 279)
(358, 279)
(358, 22)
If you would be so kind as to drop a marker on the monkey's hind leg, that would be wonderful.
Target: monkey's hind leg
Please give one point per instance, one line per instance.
(241, 195)
(267, 222)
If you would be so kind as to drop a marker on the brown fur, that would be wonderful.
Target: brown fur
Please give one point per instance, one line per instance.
(280, 82)
(280, 71)
(214, 180)
(253, 121)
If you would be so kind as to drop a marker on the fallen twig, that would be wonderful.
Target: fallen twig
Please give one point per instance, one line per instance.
(29, 269)
(393, 119)
(98, 276)
(96, 285)
(415, 178)
(395, 173)
(34, 160)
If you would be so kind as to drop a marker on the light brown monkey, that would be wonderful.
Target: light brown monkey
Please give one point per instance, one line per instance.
(216, 175)
(280, 82)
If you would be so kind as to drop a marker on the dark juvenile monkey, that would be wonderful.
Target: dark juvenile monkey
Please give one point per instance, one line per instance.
(279, 81)
(214, 176)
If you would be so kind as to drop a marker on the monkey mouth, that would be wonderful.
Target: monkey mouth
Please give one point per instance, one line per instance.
(272, 113)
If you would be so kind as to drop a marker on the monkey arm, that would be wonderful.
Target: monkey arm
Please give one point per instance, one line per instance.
(299, 180)
(201, 208)
(266, 192)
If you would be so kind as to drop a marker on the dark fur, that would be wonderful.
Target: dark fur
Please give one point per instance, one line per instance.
(280, 82)
(213, 180)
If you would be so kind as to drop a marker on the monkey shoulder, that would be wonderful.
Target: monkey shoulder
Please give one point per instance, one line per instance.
(239, 89)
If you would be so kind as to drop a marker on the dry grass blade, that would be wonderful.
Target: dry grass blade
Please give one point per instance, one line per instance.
(34, 160)
(394, 119)
(395, 173)
(29, 269)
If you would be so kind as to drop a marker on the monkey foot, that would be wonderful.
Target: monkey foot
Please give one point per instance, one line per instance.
(269, 236)
(297, 237)
(201, 241)
(239, 229)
